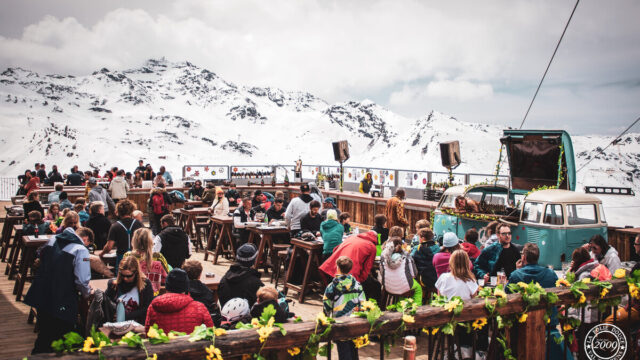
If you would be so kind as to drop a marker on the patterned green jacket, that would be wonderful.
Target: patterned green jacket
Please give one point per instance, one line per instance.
(343, 295)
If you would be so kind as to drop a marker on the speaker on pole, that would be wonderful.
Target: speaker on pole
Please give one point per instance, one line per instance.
(341, 150)
(450, 154)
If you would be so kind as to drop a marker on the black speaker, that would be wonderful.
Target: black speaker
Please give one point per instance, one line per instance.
(450, 153)
(341, 150)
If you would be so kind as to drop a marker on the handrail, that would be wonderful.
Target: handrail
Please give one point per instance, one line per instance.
(239, 342)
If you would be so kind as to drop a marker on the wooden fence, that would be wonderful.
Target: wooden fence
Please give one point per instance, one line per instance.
(531, 334)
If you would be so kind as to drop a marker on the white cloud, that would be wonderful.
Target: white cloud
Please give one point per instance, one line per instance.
(340, 50)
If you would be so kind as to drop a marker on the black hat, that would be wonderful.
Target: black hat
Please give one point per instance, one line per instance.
(246, 255)
(177, 281)
(304, 187)
(257, 192)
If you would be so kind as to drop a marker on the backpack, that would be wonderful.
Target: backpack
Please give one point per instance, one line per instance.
(158, 204)
(177, 196)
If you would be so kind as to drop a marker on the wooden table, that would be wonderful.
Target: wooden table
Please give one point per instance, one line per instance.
(27, 247)
(7, 232)
(194, 203)
(11, 268)
(213, 283)
(224, 242)
(191, 217)
(314, 250)
(264, 233)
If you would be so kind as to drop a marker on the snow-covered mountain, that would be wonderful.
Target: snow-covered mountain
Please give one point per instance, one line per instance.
(177, 113)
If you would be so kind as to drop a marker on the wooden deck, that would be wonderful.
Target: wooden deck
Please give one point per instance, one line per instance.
(16, 336)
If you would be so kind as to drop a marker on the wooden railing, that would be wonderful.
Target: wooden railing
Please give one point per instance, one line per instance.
(531, 334)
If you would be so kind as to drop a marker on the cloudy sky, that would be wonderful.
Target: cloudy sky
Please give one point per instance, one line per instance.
(479, 61)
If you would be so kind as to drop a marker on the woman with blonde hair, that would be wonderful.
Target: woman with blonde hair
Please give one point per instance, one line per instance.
(460, 281)
(220, 204)
(153, 265)
(131, 291)
(71, 220)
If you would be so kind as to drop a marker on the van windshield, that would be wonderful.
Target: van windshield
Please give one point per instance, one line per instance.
(448, 201)
(532, 212)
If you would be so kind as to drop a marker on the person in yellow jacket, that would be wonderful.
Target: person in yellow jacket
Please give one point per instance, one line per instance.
(366, 184)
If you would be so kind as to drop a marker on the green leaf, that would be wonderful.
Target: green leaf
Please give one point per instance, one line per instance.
(298, 319)
(267, 314)
(447, 329)
(324, 350)
(282, 329)
(58, 345)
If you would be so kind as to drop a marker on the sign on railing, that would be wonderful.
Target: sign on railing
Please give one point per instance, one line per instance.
(206, 172)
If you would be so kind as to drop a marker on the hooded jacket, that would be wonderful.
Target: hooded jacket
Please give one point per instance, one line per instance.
(397, 270)
(361, 249)
(165, 197)
(331, 231)
(175, 245)
(423, 258)
(220, 207)
(64, 270)
(239, 281)
(119, 187)
(178, 312)
(298, 207)
(471, 250)
(98, 193)
(365, 185)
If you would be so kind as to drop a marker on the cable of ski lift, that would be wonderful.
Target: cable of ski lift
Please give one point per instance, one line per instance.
(613, 142)
(549, 64)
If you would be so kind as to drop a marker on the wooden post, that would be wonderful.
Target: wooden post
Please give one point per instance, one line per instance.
(409, 349)
(532, 337)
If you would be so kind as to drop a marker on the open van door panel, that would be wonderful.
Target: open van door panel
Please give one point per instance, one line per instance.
(534, 159)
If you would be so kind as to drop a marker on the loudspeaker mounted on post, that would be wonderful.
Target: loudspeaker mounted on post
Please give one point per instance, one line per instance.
(341, 150)
(450, 154)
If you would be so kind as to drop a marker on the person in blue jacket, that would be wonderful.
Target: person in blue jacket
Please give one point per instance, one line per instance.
(528, 271)
(500, 255)
(64, 270)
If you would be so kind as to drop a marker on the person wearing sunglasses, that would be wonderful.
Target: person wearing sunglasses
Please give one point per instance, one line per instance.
(131, 291)
(500, 255)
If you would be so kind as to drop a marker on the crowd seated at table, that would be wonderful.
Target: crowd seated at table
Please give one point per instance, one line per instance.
(354, 266)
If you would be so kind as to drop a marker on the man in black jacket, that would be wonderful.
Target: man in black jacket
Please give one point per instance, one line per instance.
(172, 242)
(54, 176)
(98, 223)
(199, 291)
(75, 178)
(312, 220)
(241, 280)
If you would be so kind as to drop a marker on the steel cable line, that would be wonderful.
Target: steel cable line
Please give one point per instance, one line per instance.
(611, 143)
(549, 64)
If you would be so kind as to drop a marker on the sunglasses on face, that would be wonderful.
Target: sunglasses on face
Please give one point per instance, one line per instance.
(128, 276)
(505, 234)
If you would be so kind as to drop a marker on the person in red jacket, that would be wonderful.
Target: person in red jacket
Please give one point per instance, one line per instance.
(361, 249)
(32, 184)
(176, 310)
(469, 244)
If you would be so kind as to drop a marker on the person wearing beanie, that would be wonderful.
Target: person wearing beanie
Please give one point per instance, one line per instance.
(241, 280)
(450, 243)
(329, 204)
(176, 310)
(331, 231)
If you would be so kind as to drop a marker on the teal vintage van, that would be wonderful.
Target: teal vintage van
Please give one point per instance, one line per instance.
(559, 220)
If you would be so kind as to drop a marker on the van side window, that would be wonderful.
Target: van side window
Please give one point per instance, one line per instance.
(532, 212)
(553, 214)
(581, 214)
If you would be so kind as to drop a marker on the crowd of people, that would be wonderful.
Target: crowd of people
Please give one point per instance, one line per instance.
(119, 180)
(158, 257)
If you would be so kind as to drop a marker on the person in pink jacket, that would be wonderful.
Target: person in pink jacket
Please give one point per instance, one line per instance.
(450, 243)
